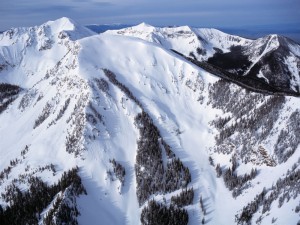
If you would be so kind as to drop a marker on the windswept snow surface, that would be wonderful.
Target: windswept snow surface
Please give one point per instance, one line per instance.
(61, 61)
(184, 39)
(160, 84)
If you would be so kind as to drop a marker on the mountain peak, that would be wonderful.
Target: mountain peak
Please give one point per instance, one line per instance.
(143, 24)
(144, 27)
(71, 28)
(63, 23)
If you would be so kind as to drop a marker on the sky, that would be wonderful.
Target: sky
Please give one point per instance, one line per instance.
(274, 16)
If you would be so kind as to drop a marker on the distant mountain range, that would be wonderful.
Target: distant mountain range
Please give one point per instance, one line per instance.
(291, 31)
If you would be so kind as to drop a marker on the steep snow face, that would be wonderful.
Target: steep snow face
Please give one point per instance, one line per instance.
(165, 86)
(221, 40)
(78, 107)
(50, 81)
(275, 58)
(262, 46)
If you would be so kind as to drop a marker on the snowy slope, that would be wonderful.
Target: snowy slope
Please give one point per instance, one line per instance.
(70, 112)
(184, 39)
(272, 59)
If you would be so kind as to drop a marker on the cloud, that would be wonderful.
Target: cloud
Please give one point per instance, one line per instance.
(35, 6)
(15, 13)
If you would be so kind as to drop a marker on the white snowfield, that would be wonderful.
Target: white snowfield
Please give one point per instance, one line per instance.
(203, 43)
(61, 59)
(184, 39)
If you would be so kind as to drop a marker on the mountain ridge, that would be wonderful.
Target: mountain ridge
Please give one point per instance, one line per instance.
(255, 59)
(126, 115)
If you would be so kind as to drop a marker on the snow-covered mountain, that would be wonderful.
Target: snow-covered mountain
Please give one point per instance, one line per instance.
(272, 60)
(100, 28)
(113, 129)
